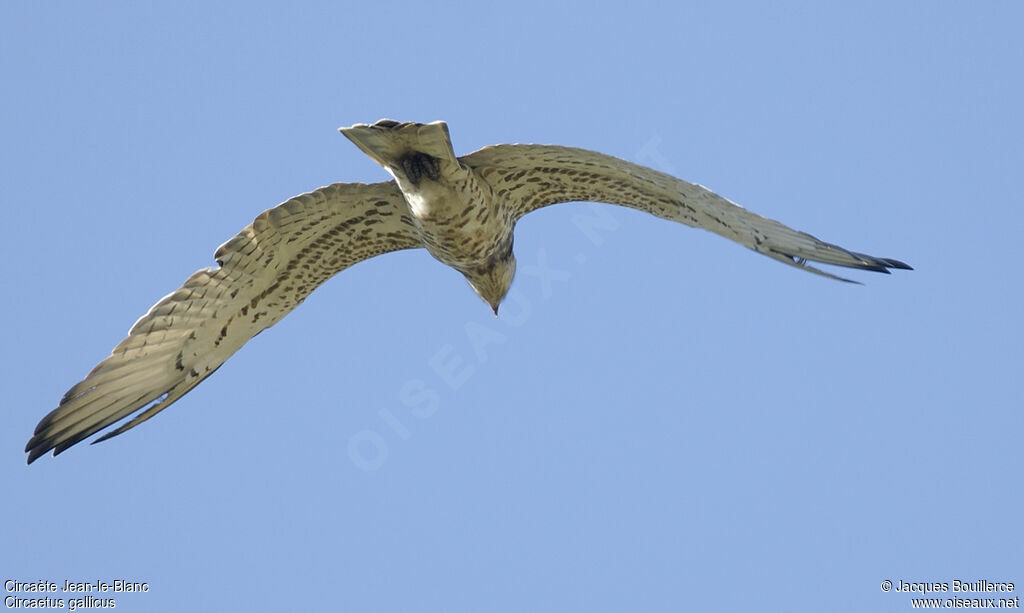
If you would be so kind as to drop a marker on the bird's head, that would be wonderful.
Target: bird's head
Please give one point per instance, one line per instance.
(492, 279)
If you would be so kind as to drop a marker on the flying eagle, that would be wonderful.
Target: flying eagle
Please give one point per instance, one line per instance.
(463, 210)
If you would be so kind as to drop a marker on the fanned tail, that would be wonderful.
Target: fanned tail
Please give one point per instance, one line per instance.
(409, 151)
(390, 143)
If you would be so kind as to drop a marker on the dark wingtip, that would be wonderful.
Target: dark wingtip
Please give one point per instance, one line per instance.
(108, 435)
(34, 449)
(870, 262)
(35, 452)
(897, 264)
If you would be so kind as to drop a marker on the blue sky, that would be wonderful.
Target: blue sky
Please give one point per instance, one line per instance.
(666, 421)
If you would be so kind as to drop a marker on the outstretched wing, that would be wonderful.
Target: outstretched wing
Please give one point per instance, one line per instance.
(528, 177)
(264, 272)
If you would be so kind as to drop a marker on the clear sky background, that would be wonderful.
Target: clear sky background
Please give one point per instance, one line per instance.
(670, 422)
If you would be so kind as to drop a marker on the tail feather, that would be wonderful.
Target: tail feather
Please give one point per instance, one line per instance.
(389, 142)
